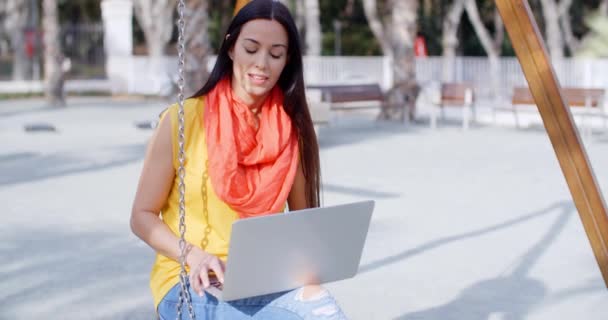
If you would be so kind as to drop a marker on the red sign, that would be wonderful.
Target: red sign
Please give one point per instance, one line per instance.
(420, 47)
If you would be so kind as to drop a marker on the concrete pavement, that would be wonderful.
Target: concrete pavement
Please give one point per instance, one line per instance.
(468, 225)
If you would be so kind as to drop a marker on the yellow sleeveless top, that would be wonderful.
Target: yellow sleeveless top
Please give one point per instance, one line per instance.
(165, 271)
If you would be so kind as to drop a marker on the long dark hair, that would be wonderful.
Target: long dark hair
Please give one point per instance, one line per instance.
(291, 82)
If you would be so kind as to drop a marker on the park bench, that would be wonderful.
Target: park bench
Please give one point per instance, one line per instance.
(455, 95)
(325, 99)
(587, 102)
(349, 97)
(352, 96)
(319, 110)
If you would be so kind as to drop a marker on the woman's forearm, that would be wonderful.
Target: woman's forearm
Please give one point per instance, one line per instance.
(153, 231)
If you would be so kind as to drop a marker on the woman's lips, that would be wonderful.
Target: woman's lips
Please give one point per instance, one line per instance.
(257, 79)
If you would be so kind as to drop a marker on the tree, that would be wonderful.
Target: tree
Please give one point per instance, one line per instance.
(225, 17)
(53, 57)
(197, 49)
(595, 43)
(558, 28)
(403, 33)
(156, 20)
(490, 45)
(300, 16)
(313, 27)
(564, 18)
(451, 22)
(370, 7)
(399, 20)
(15, 22)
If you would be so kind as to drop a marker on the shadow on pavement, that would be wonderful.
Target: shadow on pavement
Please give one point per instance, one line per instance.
(29, 166)
(349, 129)
(565, 206)
(513, 295)
(359, 192)
(54, 274)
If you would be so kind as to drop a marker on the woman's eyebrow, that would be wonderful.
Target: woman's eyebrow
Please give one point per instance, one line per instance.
(274, 45)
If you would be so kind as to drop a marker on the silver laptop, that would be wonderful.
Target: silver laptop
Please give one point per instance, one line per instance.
(285, 251)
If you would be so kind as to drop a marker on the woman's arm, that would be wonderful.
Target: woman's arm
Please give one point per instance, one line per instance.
(152, 191)
(297, 196)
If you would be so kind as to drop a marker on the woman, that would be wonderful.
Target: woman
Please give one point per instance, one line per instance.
(250, 150)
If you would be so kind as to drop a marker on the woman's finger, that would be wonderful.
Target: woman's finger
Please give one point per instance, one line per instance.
(216, 266)
(204, 277)
(222, 264)
(195, 281)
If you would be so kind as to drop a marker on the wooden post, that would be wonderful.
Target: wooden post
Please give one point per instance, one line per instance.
(535, 63)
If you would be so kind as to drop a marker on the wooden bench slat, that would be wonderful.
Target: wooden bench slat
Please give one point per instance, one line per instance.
(351, 93)
(454, 94)
(575, 97)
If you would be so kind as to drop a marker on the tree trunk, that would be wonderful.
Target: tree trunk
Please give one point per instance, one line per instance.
(564, 18)
(16, 21)
(604, 7)
(53, 57)
(499, 29)
(450, 39)
(313, 27)
(156, 20)
(552, 31)
(401, 24)
(403, 30)
(427, 7)
(226, 16)
(375, 24)
(197, 45)
(300, 17)
(488, 44)
(349, 9)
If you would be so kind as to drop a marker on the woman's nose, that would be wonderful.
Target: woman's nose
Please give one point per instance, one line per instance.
(261, 61)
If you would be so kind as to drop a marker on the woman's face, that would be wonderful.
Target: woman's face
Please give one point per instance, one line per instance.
(259, 56)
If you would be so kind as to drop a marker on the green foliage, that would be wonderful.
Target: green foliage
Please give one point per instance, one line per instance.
(79, 11)
(595, 44)
(356, 37)
(430, 23)
(356, 41)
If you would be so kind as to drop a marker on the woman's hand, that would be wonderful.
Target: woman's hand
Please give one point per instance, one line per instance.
(201, 263)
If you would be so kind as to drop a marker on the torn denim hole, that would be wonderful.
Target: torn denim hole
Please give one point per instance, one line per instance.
(326, 310)
(322, 293)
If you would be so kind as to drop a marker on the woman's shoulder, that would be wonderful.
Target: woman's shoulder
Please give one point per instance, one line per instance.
(190, 104)
(192, 107)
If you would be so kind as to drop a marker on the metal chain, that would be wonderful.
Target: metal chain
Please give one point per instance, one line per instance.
(205, 240)
(184, 295)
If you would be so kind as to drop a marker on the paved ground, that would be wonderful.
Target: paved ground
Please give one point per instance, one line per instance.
(469, 225)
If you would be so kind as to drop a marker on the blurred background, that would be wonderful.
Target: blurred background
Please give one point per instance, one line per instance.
(419, 105)
(129, 47)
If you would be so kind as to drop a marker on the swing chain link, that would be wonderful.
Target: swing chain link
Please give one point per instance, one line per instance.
(183, 277)
(205, 196)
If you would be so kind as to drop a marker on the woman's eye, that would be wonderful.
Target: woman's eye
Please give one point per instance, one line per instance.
(276, 56)
(250, 51)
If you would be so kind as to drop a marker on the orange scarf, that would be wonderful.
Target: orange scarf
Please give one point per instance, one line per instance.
(252, 170)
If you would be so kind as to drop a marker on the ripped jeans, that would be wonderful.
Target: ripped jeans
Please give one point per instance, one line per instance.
(284, 306)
